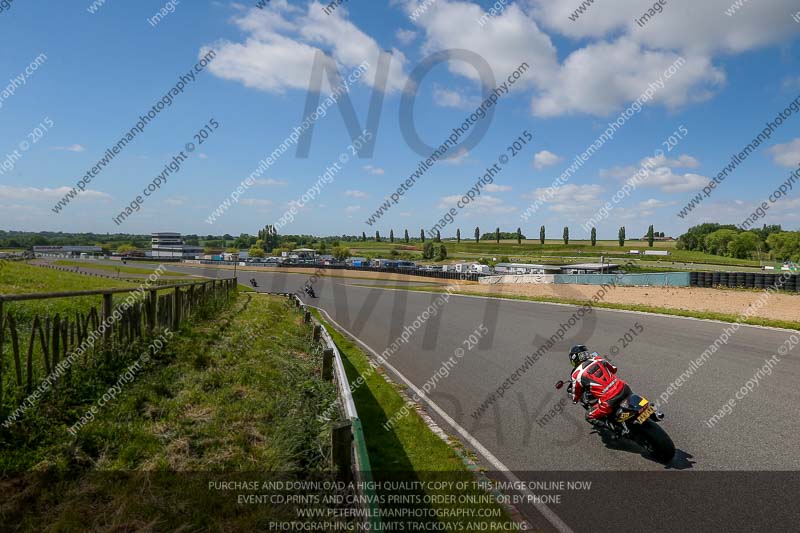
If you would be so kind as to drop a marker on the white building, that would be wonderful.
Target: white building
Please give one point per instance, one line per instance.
(589, 268)
(301, 254)
(467, 268)
(166, 245)
(525, 268)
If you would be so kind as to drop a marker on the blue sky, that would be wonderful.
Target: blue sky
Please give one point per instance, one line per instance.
(104, 69)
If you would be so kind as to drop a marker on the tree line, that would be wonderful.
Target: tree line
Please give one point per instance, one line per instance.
(730, 241)
(498, 235)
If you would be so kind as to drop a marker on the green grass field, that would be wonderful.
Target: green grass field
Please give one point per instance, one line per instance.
(554, 252)
(21, 278)
(90, 265)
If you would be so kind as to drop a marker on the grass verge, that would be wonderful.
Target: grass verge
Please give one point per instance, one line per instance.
(233, 394)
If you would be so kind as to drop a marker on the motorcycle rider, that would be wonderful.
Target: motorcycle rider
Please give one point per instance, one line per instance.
(594, 378)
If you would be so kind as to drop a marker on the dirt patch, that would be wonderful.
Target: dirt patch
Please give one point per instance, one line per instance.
(734, 302)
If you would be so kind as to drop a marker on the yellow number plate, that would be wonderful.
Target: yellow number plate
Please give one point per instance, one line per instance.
(645, 414)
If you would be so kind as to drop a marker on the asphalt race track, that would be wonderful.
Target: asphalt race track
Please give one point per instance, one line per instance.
(704, 486)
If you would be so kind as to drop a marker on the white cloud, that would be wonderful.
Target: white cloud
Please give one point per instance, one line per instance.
(70, 148)
(460, 157)
(545, 158)
(602, 78)
(684, 161)
(570, 198)
(684, 24)
(666, 180)
(625, 172)
(608, 41)
(256, 202)
(791, 83)
(494, 187)
(646, 208)
(281, 45)
(356, 194)
(33, 193)
(175, 201)
(482, 205)
(598, 78)
(786, 155)
(202, 156)
(375, 171)
(453, 98)
(698, 31)
(270, 182)
(653, 203)
(405, 36)
(352, 208)
(512, 38)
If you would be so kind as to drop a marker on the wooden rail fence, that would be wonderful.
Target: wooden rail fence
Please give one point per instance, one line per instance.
(94, 334)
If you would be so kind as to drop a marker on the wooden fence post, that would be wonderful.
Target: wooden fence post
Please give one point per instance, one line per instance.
(152, 310)
(317, 332)
(176, 315)
(12, 327)
(29, 362)
(307, 316)
(107, 305)
(341, 449)
(327, 364)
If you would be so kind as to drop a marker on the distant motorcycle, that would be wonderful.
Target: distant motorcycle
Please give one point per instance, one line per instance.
(253, 282)
(308, 289)
(636, 420)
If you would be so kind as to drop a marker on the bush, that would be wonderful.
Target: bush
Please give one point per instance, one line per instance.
(427, 250)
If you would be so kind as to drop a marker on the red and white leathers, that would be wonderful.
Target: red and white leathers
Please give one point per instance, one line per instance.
(597, 377)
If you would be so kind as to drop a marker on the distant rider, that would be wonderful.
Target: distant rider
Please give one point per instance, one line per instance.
(594, 378)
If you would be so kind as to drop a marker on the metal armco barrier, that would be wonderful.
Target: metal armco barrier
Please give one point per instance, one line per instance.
(745, 280)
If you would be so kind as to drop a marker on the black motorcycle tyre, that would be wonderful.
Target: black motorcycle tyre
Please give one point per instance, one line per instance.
(655, 440)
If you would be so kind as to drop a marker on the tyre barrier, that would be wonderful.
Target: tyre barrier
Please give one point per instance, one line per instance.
(745, 280)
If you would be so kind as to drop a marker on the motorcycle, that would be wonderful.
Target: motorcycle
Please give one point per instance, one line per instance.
(253, 282)
(636, 419)
(310, 291)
